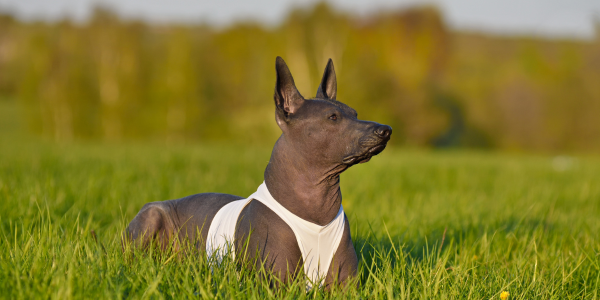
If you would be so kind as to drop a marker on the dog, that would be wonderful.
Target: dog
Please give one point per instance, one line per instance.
(295, 222)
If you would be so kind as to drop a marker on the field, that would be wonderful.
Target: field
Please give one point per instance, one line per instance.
(426, 224)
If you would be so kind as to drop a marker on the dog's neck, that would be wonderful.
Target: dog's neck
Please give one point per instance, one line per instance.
(308, 190)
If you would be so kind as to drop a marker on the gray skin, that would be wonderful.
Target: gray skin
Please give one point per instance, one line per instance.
(321, 138)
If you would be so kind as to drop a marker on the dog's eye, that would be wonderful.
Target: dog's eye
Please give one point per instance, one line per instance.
(333, 117)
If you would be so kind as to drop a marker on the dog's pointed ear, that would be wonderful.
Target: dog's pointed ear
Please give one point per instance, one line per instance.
(328, 87)
(287, 97)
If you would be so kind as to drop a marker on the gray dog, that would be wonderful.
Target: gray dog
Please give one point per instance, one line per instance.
(296, 216)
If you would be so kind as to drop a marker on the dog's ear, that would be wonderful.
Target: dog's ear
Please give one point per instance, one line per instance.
(287, 97)
(328, 87)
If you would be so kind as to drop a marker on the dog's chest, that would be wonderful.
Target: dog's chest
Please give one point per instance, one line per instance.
(316, 243)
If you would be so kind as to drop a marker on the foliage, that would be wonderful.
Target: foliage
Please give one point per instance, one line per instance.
(114, 79)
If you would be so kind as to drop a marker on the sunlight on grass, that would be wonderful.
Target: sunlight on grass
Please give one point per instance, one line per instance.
(425, 224)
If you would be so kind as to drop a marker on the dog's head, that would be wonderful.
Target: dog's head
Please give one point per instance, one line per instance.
(323, 130)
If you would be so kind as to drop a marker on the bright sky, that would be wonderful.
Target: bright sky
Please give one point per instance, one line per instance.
(540, 17)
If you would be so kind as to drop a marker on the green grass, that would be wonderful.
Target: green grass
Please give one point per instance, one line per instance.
(438, 225)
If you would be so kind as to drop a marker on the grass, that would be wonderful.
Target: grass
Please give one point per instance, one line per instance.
(425, 224)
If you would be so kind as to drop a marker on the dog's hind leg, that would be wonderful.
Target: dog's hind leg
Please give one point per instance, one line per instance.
(156, 221)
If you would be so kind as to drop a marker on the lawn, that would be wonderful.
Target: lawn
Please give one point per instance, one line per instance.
(425, 224)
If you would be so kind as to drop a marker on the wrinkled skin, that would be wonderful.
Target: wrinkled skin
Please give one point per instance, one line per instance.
(321, 138)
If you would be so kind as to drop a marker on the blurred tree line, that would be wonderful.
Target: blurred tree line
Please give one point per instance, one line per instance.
(115, 79)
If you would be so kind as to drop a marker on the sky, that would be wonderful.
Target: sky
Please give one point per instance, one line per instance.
(553, 18)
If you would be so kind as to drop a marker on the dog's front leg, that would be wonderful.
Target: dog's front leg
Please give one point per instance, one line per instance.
(345, 262)
(264, 240)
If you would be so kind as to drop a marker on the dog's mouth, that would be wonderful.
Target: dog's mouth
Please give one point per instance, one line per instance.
(377, 149)
(365, 157)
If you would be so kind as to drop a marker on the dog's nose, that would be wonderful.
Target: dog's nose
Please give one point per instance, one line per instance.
(383, 131)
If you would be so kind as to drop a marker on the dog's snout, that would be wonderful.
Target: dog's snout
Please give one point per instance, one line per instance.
(383, 131)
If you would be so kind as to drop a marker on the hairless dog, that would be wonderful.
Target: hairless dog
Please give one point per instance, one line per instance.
(321, 137)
